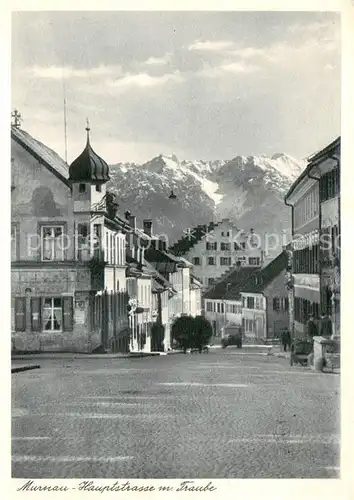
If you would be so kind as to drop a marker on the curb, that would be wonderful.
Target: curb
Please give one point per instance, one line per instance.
(24, 368)
(58, 356)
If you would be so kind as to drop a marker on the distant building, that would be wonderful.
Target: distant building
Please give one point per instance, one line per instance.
(265, 302)
(216, 248)
(223, 301)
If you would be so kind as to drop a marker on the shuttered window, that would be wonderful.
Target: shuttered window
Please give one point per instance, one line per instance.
(36, 314)
(67, 314)
(20, 314)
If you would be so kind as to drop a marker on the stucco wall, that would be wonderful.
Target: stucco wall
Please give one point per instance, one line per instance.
(39, 196)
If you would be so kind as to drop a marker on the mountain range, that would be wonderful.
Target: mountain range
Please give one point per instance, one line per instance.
(247, 190)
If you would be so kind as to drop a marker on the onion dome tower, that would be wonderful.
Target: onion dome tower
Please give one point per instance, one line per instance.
(88, 175)
(89, 167)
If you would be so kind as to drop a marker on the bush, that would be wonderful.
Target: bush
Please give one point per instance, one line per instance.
(182, 331)
(191, 332)
(203, 332)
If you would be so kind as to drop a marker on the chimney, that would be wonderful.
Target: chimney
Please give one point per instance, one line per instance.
(147, 223)
(132, 221)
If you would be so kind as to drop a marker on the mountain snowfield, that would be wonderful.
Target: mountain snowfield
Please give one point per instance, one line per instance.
(249, 190)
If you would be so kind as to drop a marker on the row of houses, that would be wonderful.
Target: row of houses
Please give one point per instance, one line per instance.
(84, 277)
(302, 282)
(314, 277)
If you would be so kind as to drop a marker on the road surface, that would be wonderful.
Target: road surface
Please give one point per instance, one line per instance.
(226, 414)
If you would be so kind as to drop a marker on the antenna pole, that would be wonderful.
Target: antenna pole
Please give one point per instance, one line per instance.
(65, 134)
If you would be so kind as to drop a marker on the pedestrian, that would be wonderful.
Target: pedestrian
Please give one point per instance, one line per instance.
(325, 326)
(285, 339)
(312, 330)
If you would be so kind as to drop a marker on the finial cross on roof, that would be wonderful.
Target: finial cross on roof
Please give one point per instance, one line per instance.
(16, 118)
(88, 130)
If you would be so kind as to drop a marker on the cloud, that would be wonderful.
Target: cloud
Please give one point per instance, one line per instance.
(144, 80)
(239, 67)
(211, 46)
(57, 72)
(248, 52)
(158, 60)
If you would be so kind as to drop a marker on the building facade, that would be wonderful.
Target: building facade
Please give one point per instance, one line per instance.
(68, 252)
(223, 303)
(304, 292)
(216, 248)
(265, 302)
(314, 282)
(324, 166)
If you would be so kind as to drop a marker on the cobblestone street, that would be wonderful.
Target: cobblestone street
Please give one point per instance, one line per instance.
(226, 414)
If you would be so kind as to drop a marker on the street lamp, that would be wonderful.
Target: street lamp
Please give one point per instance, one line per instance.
(224, 303)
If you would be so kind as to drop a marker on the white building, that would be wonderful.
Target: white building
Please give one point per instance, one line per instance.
(222, 302)
(215, 249)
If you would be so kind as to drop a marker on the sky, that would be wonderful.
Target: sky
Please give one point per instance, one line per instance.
(201, 85)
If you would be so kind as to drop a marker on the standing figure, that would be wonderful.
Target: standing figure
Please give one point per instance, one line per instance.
(285, 339)
(312, 330)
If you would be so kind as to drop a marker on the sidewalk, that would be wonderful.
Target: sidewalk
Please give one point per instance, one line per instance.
(73, 355)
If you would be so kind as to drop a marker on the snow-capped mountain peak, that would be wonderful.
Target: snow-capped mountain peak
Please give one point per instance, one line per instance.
(208, 190)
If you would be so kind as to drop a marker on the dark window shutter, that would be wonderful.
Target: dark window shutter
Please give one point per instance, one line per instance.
(36, 314)
(20, 314)
(67, 314)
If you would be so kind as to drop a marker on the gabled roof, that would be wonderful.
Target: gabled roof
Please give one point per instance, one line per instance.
(184, 244)
(263, 277)
(42, 153)
(314, 159)
(237, 278)
(326, 152)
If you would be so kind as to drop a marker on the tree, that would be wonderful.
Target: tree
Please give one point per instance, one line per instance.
(203, 331)
(182, 331)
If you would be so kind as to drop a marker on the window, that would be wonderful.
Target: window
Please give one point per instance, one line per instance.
(258, 303)
(82, 188)
(250, 302)
(20, 314)
(98, 187)
(52, 314)
(218, 307)
(307, 260)
(82, 240)
(222, 307)
(225, 261)
(196, 261)
(228, 233)
(211, 246)
(211, 281)
(209, 306)
(280, 304)
(254, 261)
(211, 261)
(13, 242)
(52, 242)
(248, 325)
(225, 246)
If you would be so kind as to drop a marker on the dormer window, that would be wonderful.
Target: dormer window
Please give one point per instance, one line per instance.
(98, 187)
(82, 188)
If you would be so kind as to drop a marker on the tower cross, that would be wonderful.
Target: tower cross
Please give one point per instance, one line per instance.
(16, 118)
